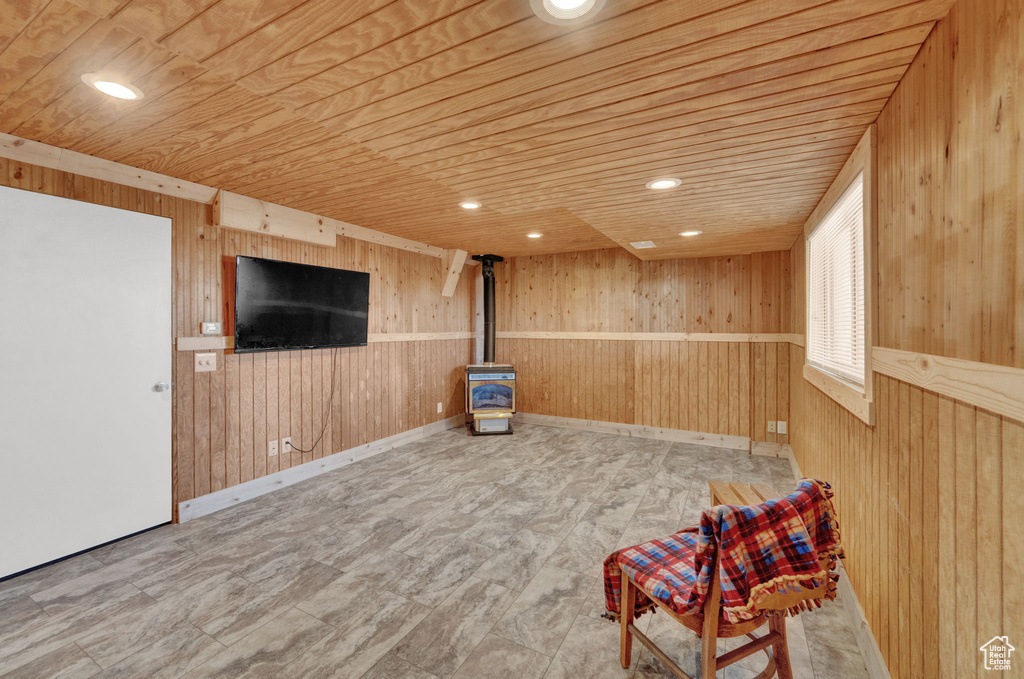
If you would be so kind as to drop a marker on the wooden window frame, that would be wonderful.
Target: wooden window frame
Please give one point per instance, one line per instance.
(860, 402)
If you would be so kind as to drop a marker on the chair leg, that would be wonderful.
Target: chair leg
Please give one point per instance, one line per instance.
(708, 656)
(709, 641)
(627, 603)
(709, 631)
(777, 623)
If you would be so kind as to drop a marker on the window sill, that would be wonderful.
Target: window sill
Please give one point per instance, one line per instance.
(853, 400)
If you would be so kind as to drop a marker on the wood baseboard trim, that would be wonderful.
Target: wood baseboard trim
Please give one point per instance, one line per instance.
(770, 449)
(869, 650)
(228, 497)
(638, 430)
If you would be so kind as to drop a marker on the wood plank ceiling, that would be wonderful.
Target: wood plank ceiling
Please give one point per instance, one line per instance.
(388, 113)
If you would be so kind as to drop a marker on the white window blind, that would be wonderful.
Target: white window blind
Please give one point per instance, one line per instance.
(835, 289)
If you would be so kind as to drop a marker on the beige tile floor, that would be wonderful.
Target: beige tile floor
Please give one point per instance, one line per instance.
(453, 556)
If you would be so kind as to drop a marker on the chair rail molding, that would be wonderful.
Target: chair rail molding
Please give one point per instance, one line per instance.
(998, 388)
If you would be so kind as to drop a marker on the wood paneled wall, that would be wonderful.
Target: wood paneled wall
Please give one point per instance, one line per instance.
(951, 192)
(223, 420)
(930, 505)
(613, 291)
(930, 497)
(715, 387)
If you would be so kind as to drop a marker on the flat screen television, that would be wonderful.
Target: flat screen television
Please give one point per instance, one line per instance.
(281, 305)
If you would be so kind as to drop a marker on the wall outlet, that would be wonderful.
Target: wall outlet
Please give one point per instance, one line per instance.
(211, 329)
(439, 409)
(206, 362)
(782, 427)
(272, 448)
(286, 445)
(771, 426)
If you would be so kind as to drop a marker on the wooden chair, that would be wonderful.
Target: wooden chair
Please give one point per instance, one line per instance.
(707, 622)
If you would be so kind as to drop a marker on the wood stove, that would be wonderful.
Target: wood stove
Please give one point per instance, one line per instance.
(490, 386)
(491, 397)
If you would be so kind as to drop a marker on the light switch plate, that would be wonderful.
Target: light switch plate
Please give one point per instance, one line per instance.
(782, 427)
(272, 448)
(439, 409)
(206, 362)
(771, 426)
(212, 329)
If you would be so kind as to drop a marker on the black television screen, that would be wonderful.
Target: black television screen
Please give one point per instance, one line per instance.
(280, 305)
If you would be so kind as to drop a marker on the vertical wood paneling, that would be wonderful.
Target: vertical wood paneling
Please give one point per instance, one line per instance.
(930, 496)
(201, 432)
(947, 634)
(612, 291)
(273, 362)
(246, 407)
(259, 415)
(184, 460)
(695, 386)
(931, 548)
(233, 415)
(951, 192)
(782, 395)
(293, 423)
(218, 433)
(1012, 480)
(724, 388)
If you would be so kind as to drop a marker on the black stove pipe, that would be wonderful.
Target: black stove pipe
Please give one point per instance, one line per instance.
(487, 262)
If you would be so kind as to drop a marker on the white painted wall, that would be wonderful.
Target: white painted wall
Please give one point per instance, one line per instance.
(85, 333)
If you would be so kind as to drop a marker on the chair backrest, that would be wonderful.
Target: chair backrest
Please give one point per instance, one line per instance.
(785, 537)
(776, 601)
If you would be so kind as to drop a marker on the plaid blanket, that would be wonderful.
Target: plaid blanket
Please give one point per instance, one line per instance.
(772, 552)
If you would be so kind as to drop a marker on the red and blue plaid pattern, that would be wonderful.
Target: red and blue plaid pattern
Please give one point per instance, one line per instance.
(766, 548)
(663, 568)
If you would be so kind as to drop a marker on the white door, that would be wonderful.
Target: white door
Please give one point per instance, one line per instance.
(85, 334)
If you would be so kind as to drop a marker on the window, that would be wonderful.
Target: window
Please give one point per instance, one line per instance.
(836, 324)
(838, 261)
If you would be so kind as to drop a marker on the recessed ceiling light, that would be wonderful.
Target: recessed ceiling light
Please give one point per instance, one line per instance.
(107, 85)
(564, 12)
(690, 233)
(643, 244)
(534, 235)
(668, 183)
(469, 205)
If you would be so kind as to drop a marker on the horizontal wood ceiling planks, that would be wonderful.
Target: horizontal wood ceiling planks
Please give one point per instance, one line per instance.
(388, 113)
